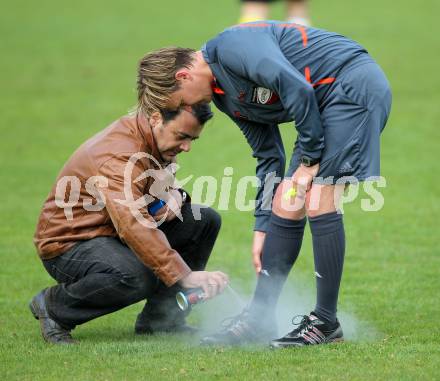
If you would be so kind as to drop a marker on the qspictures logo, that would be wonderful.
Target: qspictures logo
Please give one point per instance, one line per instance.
(162, 183)
(206, 191)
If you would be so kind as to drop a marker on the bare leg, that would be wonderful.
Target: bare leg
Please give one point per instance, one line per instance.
(254, 11)
(298, 12)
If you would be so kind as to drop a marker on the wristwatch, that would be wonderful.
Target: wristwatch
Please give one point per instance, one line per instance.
(185, 196)
(308, 161)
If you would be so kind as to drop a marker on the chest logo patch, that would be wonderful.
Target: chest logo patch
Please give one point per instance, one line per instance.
(264, 96)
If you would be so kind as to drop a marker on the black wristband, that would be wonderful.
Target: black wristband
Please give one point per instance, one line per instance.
(308, 161)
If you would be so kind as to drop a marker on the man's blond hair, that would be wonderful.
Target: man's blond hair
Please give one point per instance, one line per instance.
(156, 79)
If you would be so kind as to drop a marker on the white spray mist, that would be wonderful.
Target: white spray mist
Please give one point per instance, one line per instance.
(296, 299)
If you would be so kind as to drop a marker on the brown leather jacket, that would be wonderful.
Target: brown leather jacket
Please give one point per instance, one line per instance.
(85, 216)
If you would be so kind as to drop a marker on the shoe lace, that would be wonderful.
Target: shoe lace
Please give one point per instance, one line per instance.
(235, 322)
(303, 325)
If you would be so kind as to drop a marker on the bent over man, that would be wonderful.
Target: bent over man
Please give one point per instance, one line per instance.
(262, 74)
(113, 230)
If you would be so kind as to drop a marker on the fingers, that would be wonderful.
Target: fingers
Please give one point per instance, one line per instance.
(224, 277)
(301, 189)
(257, 249)
(210, 290)
(301, 182)
(217, 282)
(256, 259)
(212, 283)
(206, 289)
(174, 200)
(257, 267)
(221, 280)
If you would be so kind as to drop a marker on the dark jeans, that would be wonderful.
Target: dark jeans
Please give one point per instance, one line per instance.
(103, 275)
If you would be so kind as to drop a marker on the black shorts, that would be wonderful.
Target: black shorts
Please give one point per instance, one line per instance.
(353, 116)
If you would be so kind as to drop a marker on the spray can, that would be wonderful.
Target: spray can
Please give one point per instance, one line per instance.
(185, 299)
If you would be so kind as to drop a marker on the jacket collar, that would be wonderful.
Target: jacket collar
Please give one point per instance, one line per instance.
(147, 134)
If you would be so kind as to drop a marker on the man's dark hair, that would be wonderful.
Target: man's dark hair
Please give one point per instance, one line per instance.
(168, 115)
(201, 111)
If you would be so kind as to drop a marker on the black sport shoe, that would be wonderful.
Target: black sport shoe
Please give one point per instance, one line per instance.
(147, 326)
(51, 331)
(310, 331)
(161, 314)
(162, 318)
(242, 329)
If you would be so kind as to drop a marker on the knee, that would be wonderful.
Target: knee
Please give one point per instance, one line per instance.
(140, 285)
(290, 214)
(313, 213)
(290, 207)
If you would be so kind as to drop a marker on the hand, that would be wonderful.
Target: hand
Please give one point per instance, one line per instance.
(257, 249)
(302, 179)
(211, 282)
(172, 208)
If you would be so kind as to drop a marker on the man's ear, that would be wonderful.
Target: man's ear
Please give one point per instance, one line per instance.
(182, 74)
(155, 119)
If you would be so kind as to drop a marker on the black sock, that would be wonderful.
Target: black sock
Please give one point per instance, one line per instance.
(328, 249)
(280, 250)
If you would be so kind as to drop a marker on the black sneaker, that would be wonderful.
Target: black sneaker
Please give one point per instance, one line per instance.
(242, 329)
(155, 320)
(147, 326)
(310, 331)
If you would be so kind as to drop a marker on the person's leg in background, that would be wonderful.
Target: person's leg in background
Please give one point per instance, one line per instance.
(95, 277)
(298, 12)
(254, 10)
(193, 240)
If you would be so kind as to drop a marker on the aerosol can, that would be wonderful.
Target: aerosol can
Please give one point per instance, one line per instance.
(186, 299)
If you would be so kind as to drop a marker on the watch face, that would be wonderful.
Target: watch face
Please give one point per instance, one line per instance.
(306, 161)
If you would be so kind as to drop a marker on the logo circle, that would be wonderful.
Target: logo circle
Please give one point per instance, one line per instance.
(263, 95)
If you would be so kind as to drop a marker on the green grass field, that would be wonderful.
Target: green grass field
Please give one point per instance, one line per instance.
(68, 70)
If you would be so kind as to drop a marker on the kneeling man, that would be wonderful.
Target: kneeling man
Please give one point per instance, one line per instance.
(115, 230)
